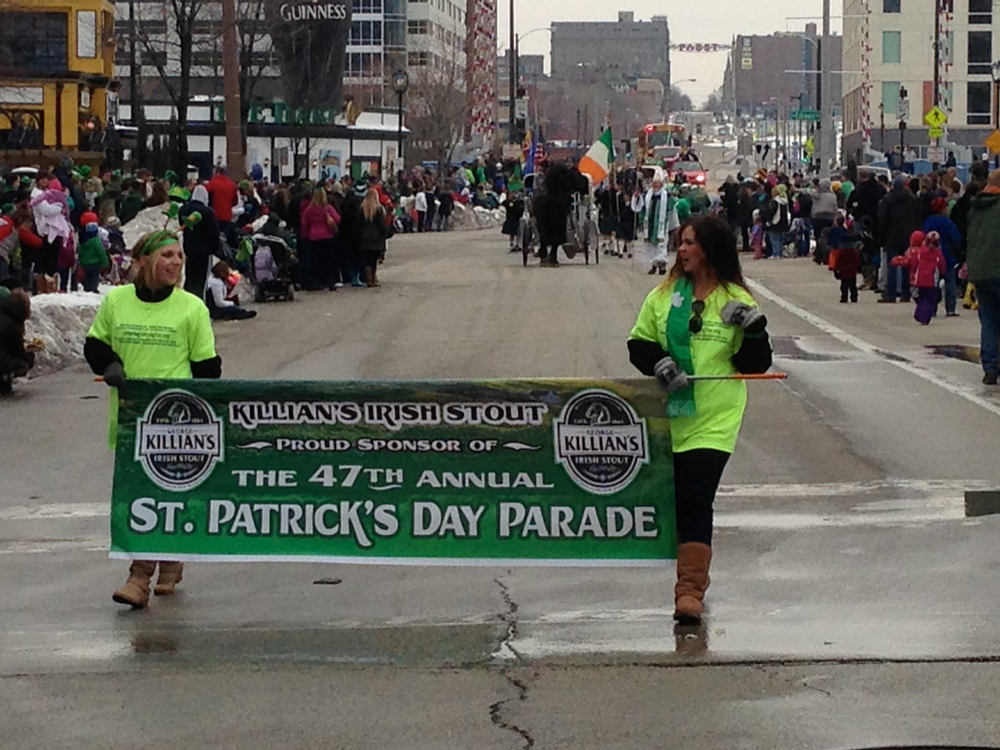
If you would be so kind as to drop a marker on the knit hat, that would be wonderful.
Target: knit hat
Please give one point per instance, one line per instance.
(88, 217)
(171, 177)
(933, 239)
(939, 205)
(917, 239)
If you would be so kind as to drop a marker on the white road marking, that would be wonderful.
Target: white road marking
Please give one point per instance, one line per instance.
(53, 511)
(950, 487)
(961, 390)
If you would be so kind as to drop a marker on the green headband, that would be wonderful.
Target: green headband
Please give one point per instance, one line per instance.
(158, 240)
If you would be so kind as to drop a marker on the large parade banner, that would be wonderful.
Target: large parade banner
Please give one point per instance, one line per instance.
(515, 472)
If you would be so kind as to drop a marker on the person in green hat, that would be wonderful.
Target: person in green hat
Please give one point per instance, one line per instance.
(131, 202)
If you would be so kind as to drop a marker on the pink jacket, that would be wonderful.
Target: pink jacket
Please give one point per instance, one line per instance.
(926, 265)
(314, 226)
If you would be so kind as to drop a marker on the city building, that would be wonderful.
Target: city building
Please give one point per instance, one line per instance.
(889, 47)
(435, 34)
(56, 89)
(764, 74)
(324, 143)
(614, 52)
(530, 70)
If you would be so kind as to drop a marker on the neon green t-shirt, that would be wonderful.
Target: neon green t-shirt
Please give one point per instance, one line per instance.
(153, 339)
(719, 404)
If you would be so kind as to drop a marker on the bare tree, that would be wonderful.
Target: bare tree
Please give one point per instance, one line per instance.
(172, 55)
(678, 101)
(437, 111)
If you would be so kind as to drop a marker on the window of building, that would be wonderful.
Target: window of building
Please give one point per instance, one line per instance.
(980, 97)
(418, 59)
(891, 44)
(33, 43)
(367, 6)
(207, 59)
(208, 28)
(86, 33)
(418, 1)
(364, 65)
(154, 57)
(891, 6)
(890, 97)
(152, 27)
(980, 52)
(365, 33)
(980, 12)
(418, 27)
(395, 8)
(395, 34)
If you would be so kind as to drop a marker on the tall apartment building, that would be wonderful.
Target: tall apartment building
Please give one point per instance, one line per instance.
(889, 46)
(435, 34)
(615, 52)
(759, 73)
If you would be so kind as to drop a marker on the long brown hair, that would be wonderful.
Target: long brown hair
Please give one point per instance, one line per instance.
(319, 198)
(370, 206)
(719, 245)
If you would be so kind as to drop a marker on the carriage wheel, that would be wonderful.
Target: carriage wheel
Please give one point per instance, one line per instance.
(525, 252)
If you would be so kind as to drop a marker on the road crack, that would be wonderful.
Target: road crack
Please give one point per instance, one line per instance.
(506, 646)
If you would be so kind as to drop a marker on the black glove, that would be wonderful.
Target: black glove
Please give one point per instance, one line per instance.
(114, 376)
(670, 376)
(742, 315)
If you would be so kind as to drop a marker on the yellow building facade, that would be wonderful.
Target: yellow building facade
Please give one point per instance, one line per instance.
(56, 68)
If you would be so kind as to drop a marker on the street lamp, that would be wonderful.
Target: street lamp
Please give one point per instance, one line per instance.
(995, 70)
(881, 115)
(400, 83)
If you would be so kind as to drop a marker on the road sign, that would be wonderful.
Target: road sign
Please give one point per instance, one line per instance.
(935, 154)
(512, 151)
(936, 117)
(993, 142)
(808, 115)
(934, 132)
(903, 109)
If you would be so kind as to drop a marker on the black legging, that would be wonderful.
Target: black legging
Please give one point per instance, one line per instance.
(697, 474)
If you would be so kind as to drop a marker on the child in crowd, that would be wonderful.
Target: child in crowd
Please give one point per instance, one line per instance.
(220, 307)
(757, 235)
(846, 262)
(926, 265)
(93, 253)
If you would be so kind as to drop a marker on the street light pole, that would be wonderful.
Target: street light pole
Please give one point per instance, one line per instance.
(513, 78)
(400, 83)
(824, 131)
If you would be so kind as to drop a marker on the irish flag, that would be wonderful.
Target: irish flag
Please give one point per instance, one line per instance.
(597, 162)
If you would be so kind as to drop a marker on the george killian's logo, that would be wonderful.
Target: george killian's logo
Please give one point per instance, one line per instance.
(313, 11)
(178, 441)
(600, 441)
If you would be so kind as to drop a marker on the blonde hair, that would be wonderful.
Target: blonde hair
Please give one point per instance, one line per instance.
(370, 207)
(319, 198)
(144, 264)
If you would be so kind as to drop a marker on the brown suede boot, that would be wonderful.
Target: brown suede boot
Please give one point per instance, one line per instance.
(171, 574)
(135, 592)
(369, 276)
(693, 560)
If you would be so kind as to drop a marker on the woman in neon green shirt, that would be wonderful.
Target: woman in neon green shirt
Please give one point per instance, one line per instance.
(701, 321)
(151, 329)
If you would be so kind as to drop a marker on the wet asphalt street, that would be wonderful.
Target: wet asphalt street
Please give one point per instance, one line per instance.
(852, 603)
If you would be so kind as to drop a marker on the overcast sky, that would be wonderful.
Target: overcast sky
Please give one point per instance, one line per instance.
(713, 21)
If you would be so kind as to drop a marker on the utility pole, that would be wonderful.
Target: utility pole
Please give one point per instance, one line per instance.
(231, 86)
(937, 53)
(825, 128)
(135, 88)
(513, 78)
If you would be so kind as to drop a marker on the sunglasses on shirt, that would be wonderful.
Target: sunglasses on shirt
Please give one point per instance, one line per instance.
(696, 324)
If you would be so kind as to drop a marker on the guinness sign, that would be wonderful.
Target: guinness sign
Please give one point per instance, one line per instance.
(310, 39)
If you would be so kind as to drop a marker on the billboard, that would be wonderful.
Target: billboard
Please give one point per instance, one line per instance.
(310, 39)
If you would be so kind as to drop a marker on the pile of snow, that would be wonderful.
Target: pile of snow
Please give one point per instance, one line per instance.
(146, 221)
(61, 322)
(468, 218)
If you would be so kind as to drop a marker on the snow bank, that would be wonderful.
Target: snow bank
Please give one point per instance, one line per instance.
(61, 322)
(469, 218)
(148, 220)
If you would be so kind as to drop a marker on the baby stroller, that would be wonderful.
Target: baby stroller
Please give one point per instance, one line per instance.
(270, 271)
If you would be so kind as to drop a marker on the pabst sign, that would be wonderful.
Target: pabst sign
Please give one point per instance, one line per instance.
(313, 12)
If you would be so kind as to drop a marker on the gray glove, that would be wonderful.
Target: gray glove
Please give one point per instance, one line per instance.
(114, 376)
(670, 376)
(741, 314)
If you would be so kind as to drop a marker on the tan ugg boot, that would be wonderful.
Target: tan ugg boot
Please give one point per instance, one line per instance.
(693, 560)
(171, 574)
(135, 592)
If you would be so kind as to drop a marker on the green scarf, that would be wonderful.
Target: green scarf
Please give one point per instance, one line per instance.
(681, 403)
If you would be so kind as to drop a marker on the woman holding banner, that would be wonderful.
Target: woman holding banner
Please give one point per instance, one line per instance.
(151, 329)
(701, 321)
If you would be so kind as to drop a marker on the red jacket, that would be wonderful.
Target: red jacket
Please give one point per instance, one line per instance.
(926, 265)
(222, 195)
(848, 262)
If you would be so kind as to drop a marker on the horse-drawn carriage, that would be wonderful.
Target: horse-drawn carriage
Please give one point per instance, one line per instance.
(580, 227)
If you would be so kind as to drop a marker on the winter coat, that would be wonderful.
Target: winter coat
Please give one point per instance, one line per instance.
(926, 265)
(778, 219)
(983, 250)
(898, 219)
(315, 226)
(93, 252)
(8, 237)
(202, 239)
(372, 234)
(951, 238)
(865, 199)
(848, 262)
(224, 195)
(51, 212)
(14, 358)
(824, 206)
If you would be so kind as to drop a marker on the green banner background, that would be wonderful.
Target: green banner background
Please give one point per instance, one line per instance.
(177, 441)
